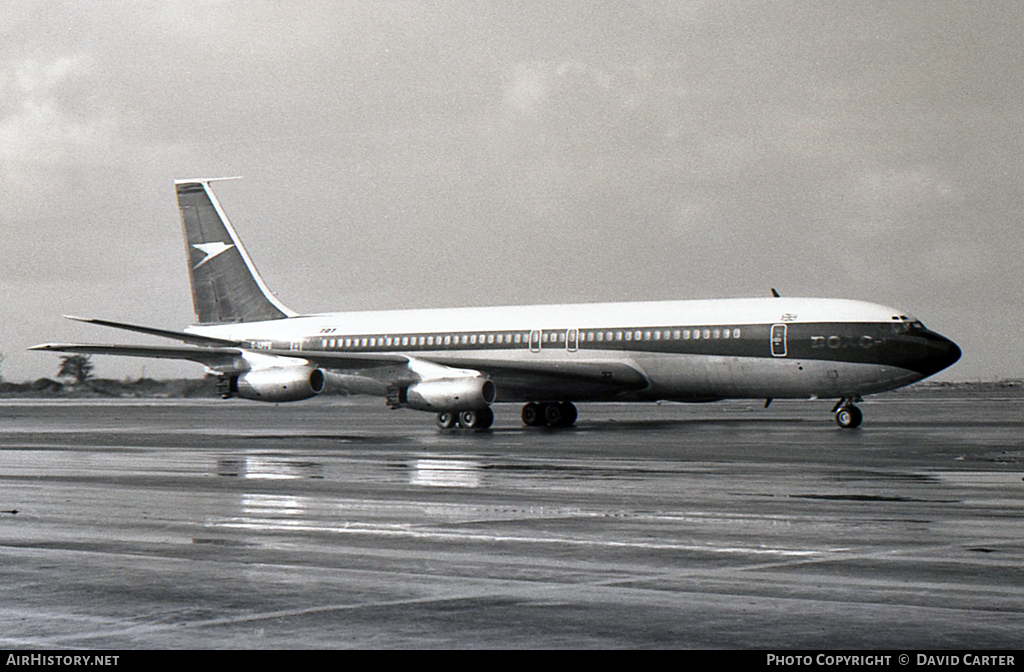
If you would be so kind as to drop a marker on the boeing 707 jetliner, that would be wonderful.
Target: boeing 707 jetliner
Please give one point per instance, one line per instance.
(457, 362)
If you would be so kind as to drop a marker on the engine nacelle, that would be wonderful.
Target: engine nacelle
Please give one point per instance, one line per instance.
(283, 383)
(450, 394)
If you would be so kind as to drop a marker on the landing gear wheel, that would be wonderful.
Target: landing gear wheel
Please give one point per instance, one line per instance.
(533, 414)
(570, 413)
(561, 414)
(447, 419)
(485, 418)
(481, 418)
(849, 417)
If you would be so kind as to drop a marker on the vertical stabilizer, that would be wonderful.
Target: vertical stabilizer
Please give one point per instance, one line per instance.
(226, 287)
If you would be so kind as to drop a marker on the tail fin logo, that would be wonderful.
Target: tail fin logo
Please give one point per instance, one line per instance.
(211, 250)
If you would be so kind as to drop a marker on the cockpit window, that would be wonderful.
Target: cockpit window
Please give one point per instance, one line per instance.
(906, 324)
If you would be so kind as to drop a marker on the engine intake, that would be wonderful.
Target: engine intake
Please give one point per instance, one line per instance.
(292, 383)
(450, 394)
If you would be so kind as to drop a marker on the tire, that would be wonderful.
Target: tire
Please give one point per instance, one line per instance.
(447, 419)
(562, 414)
(533, 415)
(849, 417)
(570, 414)
(486, 418)
(553, 416)
(477, 419)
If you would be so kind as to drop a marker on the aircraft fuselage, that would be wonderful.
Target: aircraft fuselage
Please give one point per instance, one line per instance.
(668, 350)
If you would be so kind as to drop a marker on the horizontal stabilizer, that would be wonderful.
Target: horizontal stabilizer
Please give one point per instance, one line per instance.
(182, 336)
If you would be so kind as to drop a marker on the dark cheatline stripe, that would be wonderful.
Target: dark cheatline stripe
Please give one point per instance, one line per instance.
(882, 343)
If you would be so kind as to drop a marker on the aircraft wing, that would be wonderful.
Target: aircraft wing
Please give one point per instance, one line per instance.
(213, 349)
(579, 379)
(515, 378)
(352, 361)
(208, 356)
(608, 376)
(225, 357)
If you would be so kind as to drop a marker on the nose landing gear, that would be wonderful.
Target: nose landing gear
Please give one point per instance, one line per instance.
(848, 416)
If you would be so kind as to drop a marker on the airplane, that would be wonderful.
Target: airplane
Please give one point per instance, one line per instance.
(457, 362)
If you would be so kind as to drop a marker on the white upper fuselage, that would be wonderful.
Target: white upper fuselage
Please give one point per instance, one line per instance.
(638, 314)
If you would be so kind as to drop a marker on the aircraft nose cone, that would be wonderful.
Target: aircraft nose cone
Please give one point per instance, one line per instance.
(941, 354)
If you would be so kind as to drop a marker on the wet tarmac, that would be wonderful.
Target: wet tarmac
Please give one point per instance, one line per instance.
(338, 523)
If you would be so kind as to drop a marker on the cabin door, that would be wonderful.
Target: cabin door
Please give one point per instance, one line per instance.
(778, 340)
(572, 339)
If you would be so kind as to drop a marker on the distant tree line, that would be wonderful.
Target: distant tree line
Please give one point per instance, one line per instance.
(76, 367)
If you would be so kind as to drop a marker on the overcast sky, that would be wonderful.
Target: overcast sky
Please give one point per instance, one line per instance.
(419, 154)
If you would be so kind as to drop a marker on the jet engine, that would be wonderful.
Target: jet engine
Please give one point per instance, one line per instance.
(291, 383)
(450, 394)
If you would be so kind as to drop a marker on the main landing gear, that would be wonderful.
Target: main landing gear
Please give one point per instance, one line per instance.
(848, 416)
(481, 418)
(555, 414)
